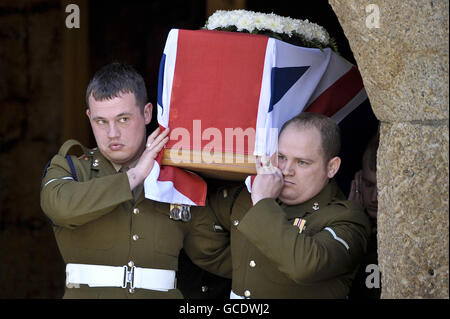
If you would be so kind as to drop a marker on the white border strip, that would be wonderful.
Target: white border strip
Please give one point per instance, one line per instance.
(337, 238)
(55, 179)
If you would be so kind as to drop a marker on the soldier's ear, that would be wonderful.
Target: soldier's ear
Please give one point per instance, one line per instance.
(148, 108)
(88, 113)
(333, 166)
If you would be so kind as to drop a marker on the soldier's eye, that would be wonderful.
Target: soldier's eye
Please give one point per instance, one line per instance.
(123, 119)
(100, 122)
(369, 184)
(302, 163)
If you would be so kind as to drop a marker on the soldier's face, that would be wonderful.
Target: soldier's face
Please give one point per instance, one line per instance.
(119, 127)
(301, 160)
(369, 190)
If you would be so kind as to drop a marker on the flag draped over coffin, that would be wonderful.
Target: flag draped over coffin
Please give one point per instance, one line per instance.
(237, 80)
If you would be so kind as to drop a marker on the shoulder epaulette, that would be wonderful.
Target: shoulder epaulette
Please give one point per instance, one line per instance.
(65, 148)
(63, 151)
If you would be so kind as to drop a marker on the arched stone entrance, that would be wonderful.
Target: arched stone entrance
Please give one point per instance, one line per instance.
(404, 64)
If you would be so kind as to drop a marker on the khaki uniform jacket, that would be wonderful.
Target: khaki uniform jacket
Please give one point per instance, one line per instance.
(97, 221)
(272, 259)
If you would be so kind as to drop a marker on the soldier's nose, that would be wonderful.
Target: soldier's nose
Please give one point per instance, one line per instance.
(374, 195)
(286, 169)
(113, 131)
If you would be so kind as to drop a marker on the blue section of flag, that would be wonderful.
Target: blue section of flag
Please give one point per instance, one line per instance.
(161, 81)
(282, 79)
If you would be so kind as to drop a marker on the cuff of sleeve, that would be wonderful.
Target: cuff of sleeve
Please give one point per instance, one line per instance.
(129, 192)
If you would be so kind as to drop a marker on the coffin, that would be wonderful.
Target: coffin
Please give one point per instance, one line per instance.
(230, 169)
(225, 95)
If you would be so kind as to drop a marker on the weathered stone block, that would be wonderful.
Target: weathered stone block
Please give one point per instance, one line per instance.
(404, 62)
(413, 216)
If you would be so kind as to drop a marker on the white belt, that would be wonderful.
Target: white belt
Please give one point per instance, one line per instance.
(112, 276)
(234, 296)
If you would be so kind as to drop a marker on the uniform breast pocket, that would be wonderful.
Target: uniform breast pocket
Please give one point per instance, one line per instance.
(102, 233)
(168, 235)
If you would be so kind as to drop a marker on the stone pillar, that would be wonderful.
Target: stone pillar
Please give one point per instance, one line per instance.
(401, 48)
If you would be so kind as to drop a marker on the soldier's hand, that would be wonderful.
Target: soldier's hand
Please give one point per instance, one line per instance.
(355, 189)
(268, 181)
(155, 143)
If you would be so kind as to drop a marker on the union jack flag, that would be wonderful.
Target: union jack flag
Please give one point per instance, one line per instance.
(229, 79)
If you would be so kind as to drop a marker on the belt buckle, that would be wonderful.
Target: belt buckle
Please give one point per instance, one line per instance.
(128, 277)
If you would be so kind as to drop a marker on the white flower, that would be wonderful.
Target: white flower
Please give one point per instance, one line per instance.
(249, 21)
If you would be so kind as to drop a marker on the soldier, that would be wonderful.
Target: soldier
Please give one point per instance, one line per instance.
(115, 242)
(295, 235)
(363, 190)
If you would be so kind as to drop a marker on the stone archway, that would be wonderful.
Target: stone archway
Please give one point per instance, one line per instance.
(403, 59)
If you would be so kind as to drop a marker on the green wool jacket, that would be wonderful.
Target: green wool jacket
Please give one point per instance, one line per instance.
(271, 258)
(97, 221)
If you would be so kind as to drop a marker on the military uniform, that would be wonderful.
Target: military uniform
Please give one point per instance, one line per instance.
(360, 289)
(97, 221)
(196, 283)
(310, 250)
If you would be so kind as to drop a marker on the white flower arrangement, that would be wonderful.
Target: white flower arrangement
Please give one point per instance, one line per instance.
(303, 32)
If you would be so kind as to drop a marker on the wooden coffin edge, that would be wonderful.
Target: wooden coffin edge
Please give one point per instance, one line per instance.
(232, 167)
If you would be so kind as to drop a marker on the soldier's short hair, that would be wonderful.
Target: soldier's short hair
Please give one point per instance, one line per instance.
(329, 131)
(115, 79)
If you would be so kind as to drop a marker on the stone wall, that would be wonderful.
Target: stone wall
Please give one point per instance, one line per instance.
(404, 64)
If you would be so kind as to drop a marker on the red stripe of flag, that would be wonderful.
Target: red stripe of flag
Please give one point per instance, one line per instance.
(338, 94)
(190, 185)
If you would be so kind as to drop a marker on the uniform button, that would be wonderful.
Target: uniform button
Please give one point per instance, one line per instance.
(204, 288)
(131, 290)
(135, 237)
(247, 293)
(136, 211)
(235, 222)
(252, 263)
(130, 264)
